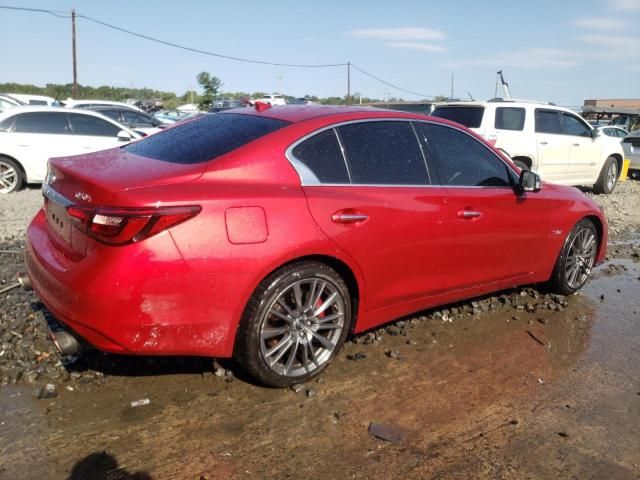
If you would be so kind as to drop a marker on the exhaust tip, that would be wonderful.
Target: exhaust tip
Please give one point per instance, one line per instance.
(24, 281)
(66, 343)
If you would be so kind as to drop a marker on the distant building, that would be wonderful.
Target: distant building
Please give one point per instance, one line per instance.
(597, 104)
(623, 113)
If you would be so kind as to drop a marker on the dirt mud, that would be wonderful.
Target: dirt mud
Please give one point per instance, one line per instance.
(516, 385)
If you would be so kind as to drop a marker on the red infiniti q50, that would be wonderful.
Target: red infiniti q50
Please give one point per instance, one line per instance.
(270, 235)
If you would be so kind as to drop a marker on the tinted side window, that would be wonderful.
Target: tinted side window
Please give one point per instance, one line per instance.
(113, 114)
(6, 124)
(548, 121)
(383, 153)
(205, 137)
(509, 118)
(41, 122)
(138, 119)
(88, 125)
(573, 126)
(462, 160)
(322, 155)
(470, 117)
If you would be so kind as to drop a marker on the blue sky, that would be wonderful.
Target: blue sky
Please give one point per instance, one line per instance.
(559, 51)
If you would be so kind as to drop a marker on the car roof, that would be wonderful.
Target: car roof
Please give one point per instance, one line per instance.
(101, 107)
(301, 113)
(45, 108)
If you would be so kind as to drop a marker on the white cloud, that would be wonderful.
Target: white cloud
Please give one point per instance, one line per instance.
(599, 23)
(398, 34)
(530, 58)
(425, 47)
(625, 5)
(627, 46)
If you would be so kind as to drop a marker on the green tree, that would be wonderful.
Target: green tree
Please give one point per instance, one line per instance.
(210, 85)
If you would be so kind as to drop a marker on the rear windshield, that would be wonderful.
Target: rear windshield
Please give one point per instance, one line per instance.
(204, 138)
(470, 117)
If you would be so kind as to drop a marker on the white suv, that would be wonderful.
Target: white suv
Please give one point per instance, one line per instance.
(554, 142)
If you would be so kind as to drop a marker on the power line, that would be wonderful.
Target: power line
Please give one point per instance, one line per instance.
(55, 13)
(62, 14)
(390, 84)
(197, 50)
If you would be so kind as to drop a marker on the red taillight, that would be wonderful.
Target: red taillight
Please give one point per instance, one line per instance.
(119, 226)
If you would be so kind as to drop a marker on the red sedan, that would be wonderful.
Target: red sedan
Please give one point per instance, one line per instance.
(270, 234)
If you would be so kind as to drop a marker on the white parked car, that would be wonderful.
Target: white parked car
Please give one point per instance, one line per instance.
(616, 132)
(554, 142)
(29, 136)
(270, 99)
(8, 101)
(90, 104)
(28, 99)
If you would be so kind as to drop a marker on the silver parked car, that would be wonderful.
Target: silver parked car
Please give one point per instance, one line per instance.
(631, 147)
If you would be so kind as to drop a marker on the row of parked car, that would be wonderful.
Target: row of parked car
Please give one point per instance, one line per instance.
(553, 141)
(32, 133)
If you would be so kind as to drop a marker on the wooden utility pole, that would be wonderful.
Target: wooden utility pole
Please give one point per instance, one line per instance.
(74, 91)
(348, 83)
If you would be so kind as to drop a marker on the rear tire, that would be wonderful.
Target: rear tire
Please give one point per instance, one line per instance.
(294, 324)
(576, 259)
(11, 176)
(608, 178)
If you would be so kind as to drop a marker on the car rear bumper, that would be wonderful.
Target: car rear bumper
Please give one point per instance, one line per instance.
(139, 299)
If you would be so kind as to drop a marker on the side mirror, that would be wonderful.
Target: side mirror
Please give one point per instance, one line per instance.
(124, 136)
(529, 181)
(595, 133)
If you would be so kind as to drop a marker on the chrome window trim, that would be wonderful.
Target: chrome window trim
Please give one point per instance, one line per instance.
(309, 179)
(344, 157)
(52, 195)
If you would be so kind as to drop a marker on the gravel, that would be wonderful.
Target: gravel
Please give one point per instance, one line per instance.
(16, 211)
(27, 355)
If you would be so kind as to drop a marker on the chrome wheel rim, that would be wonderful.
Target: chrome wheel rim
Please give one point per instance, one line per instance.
(580, 259)
(8, 178)
(302, 327)
(612, 175)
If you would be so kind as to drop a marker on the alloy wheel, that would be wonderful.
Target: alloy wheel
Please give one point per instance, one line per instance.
(302, 327)
(8, 177)
(612, 176)
(580, 258)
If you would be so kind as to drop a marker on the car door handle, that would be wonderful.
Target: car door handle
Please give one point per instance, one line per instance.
(469, 214)
(544, 143)
(349, 216)
(576, 145)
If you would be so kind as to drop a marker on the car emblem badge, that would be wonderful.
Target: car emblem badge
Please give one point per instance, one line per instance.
(85, 197)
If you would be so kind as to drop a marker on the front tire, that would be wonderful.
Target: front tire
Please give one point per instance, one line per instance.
(576, 259)
(608, 178)
(11, 176)
(294, 324)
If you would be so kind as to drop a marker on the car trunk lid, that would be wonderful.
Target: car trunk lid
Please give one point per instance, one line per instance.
(94, 180)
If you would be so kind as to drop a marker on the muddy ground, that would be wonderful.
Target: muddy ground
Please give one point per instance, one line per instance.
(517, 385)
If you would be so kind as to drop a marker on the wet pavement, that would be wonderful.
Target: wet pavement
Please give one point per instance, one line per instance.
(507, 393)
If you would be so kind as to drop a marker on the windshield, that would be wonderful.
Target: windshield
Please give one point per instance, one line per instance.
(470, 117)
